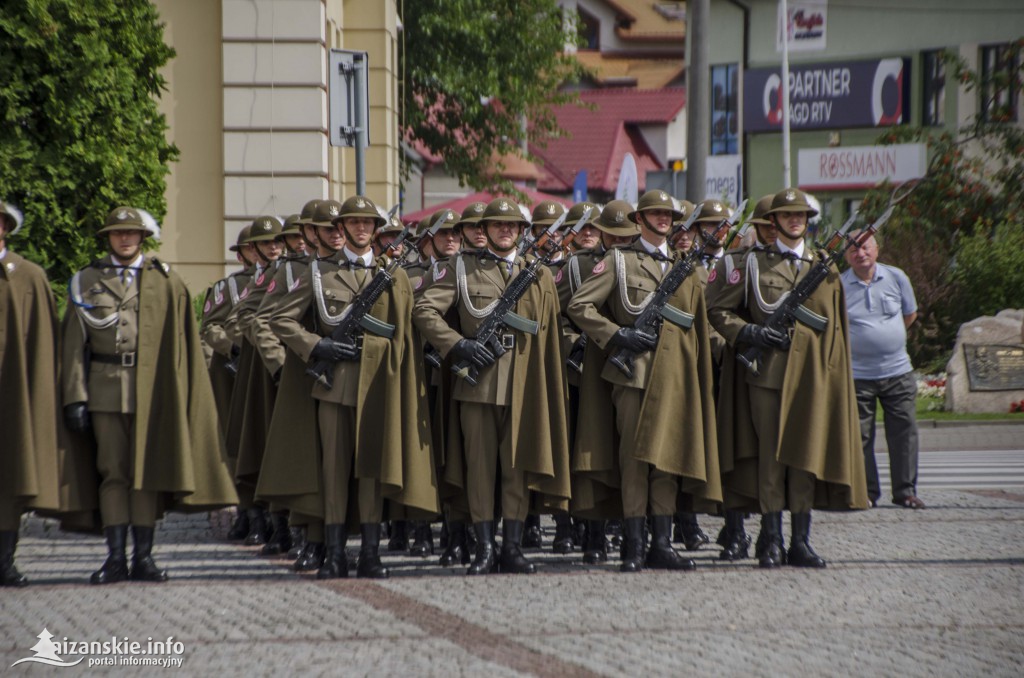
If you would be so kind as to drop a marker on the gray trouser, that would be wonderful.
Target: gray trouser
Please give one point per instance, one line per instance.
(898, 396)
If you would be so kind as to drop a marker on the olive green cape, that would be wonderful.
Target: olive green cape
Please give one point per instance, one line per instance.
(28, 397)
(393, 442)
(540, 400)
(821, 434)
(676, 429)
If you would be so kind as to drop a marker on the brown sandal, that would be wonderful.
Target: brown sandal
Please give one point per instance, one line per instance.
(910, 502)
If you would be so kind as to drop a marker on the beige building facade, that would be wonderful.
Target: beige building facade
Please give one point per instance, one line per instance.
(247, 105)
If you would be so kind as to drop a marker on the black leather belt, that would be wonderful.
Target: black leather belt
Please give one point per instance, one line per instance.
(122, 359)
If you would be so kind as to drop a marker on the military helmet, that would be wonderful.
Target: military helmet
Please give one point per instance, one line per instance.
(292, 224)
(616, 219)
(714, 210)
(577, 210)
(655, 200)
(450, 219)
(243, 238)
(308, 210)
(13, 218)
(503, 209)
(124, 219)
(685, 208)
(547, 212)
(394, 225)
(421, 227)
(791, 200)
(471, 214)
(360, 206)
(760, 209)
(325, 213)
(265, 228)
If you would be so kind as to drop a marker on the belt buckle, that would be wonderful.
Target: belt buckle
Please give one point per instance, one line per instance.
(359, 341)
(128, 359)
(508, 341)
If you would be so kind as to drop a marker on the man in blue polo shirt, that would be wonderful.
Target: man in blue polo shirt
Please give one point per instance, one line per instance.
(881, 306)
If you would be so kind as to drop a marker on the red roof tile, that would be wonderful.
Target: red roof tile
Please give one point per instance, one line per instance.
(598, 139)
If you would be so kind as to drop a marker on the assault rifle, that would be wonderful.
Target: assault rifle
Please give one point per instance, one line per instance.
(493, 331)
(658, 309)
(356, 316)
(791, 308)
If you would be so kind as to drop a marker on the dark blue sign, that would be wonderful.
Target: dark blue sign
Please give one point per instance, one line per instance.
(828, 96)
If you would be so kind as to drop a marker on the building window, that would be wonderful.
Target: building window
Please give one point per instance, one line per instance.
(590, 30)
(725, 109)
(933, 112)
(999, 91)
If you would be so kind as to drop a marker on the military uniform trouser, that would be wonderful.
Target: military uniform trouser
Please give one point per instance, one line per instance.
(642, 483)
(120, 502)
(10, 515)
(776, 482)
(487, 440)
(338, 439)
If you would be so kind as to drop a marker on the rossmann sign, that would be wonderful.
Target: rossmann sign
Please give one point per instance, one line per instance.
(828, 96)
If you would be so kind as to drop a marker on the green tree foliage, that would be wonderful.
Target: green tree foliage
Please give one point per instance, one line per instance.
(472, 70)
(79, 128)
(958, 233)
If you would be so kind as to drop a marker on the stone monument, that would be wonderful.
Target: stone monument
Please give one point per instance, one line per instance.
(986, 372)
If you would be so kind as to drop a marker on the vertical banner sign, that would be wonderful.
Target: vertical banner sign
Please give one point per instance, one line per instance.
(579, 187)
(803, 27)
(628, 188)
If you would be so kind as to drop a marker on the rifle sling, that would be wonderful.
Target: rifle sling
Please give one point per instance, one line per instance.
(518, 322)
(810, 318)
(676, 317)
(376, 326)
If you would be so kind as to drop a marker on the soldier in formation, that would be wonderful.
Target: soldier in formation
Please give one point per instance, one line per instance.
(542, 386)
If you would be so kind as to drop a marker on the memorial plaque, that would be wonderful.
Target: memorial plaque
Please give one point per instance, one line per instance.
(995, 367)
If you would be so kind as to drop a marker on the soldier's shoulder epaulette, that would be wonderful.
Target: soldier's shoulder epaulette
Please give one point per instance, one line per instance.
(158, 265)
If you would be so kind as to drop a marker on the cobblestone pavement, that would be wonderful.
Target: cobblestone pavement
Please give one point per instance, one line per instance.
(933, 592)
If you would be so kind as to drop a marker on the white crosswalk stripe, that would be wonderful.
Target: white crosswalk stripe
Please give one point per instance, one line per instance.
(962, 469)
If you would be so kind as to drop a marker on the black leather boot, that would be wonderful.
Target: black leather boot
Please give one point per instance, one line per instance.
(298, 542)
(512, 559)
(485, 559)
(532, 537)
(240, 528)
(595, 550)
(734, 540)
(398, 536)
(690, 534)
(335, 565)
(259, 529)
(662, 556)
(369, 565)
(422, 540)
(579, 532)
(800, 552)
(115, 568)
(772, 552)
(9, 575)
(457, 550)
(311, 558)
(632, 544)
(563, 542)
(143, 566)
(280, 539)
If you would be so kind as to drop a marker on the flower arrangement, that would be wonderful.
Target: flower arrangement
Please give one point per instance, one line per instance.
(931, 385)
